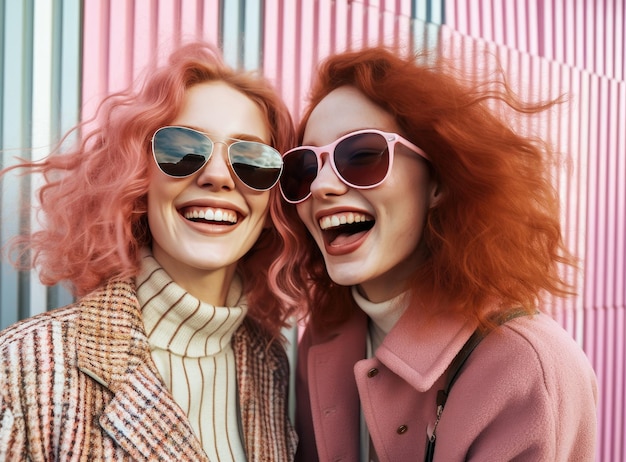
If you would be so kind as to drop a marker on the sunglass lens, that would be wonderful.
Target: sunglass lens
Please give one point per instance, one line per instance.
(180, 151)
(363, 159)
(256, 164)
(300, 170)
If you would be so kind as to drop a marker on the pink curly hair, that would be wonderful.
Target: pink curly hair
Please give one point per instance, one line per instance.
(494, 239)
(94, 196)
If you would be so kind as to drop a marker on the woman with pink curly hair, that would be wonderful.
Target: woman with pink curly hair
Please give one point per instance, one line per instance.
(159, 220)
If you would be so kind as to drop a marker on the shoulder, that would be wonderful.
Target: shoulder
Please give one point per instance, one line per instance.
(531, 378)
(60, 325)
(533, 359)
(542, 342)
(40, 326)
(32, 348)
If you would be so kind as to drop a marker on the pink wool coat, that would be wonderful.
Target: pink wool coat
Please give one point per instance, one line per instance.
(526, 393)
(79, 383)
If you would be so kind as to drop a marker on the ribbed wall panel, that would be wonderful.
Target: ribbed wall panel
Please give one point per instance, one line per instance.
(39, 100)
(546, 47)
(583, 40)
(584, 34)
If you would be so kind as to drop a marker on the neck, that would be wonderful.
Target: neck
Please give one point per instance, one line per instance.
(209, 286)
(383, 314)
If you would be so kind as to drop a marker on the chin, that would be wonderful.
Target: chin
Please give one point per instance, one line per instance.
(345, 278)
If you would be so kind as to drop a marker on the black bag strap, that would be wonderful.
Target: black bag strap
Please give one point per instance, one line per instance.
(454, 371)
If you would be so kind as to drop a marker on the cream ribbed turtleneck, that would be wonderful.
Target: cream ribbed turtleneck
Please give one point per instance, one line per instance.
(191, 346)
(383, 315)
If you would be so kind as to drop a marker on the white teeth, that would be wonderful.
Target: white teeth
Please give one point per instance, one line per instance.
(211, 214)
(331, 221)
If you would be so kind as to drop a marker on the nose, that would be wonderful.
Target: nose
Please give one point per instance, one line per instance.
(217, 174)
(327, 183)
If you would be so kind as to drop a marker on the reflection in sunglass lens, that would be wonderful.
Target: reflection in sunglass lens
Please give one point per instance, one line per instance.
(363, 159)
(179, 151)
(256, 164)
(300, 170)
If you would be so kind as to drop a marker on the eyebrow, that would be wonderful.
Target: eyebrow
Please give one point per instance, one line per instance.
(247, 137)
(342, 134)
(232, 136)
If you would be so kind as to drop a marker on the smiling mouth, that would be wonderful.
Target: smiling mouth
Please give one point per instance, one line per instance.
(345, 228)
(210, 215)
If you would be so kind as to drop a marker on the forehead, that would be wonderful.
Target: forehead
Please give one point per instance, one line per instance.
(217, 108)
(342, 111)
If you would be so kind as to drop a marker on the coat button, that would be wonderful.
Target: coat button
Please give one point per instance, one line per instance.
(373, 372)
(402, 429)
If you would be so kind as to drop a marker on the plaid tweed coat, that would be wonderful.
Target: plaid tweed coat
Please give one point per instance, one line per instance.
(78, 383)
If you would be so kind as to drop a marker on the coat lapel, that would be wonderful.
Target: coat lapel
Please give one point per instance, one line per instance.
(333, 391)
(420, 348)
(142, 416)
(262, 377)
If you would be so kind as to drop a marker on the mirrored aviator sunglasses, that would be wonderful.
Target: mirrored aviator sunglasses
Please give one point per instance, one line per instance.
(180, 152)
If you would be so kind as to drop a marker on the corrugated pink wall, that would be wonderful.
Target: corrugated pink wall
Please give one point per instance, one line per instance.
(546, 47)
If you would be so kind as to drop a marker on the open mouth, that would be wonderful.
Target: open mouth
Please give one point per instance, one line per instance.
(210, 215)
(345, 228)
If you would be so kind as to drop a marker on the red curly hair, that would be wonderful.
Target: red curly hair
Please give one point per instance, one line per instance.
(494, 238)
(94, 195)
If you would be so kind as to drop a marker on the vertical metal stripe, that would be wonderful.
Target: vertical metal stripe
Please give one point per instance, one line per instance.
(41, 130)
(95, 56)
(619, 58)
(232, 25)
(120, 38)
(606, 23)
(39, 96)
(608, 144)
(16, 82)
(618, 400)
(273, 40)
(308, 42)
(65, 97)
(253, 35)
(618, 429)
(620, 148)
(601, 215)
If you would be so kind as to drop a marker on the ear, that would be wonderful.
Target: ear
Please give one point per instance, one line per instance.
(435, 195)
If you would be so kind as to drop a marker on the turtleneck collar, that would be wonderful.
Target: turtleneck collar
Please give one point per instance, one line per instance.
(385, 314)
(180, 323)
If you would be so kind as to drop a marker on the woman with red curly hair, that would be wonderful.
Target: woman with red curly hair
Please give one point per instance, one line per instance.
(424, 224)
(159, 220)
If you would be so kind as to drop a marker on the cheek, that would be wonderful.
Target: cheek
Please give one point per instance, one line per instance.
(158, 192)
(162, 191)
(259, 203)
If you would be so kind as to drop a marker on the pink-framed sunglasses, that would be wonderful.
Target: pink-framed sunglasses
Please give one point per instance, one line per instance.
(361, 159)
